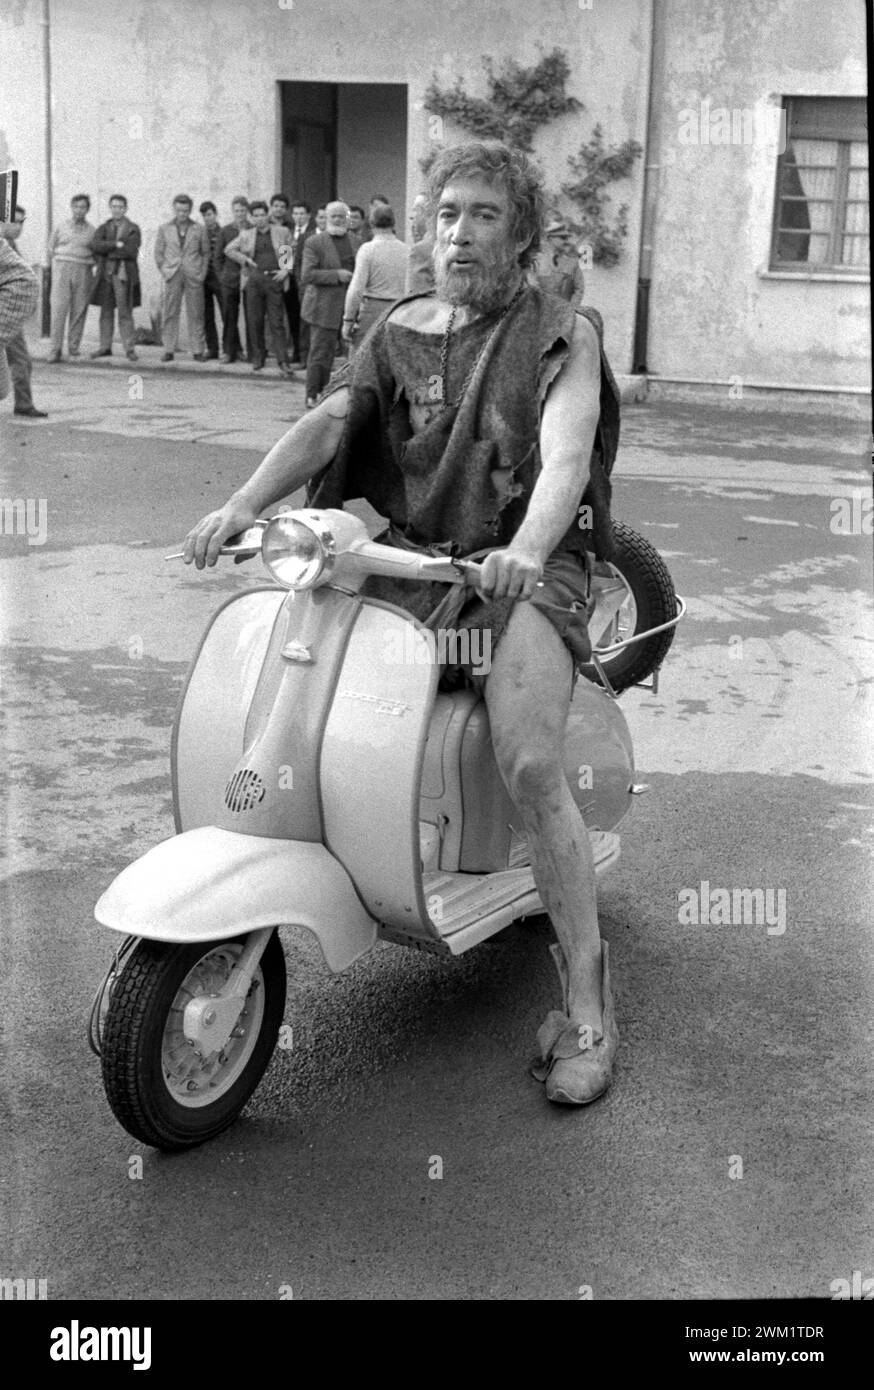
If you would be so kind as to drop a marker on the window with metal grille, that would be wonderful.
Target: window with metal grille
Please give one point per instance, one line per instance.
(821, 206)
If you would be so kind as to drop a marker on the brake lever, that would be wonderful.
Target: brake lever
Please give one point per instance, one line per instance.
(240, 552)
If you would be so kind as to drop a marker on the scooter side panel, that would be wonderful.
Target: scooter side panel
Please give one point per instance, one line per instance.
(208, 884)
(209, 729)
(371, 764)
(598, 757)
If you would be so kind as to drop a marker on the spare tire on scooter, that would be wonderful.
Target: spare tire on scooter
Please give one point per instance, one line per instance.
(651, 601)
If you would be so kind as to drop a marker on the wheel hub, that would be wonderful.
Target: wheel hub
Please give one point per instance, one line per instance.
(208, 1039)
(623, 618)
(209, 1020)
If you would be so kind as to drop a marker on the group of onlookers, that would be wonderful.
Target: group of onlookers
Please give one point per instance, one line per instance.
(310, 284)
(290, 269)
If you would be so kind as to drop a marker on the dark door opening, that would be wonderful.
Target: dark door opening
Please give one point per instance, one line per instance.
(345, 140)
(309, 141)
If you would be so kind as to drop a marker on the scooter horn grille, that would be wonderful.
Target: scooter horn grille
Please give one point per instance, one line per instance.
(244, 790)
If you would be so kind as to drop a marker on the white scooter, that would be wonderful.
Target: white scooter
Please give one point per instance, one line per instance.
(321, 780)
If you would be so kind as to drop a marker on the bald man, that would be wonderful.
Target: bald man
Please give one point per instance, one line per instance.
(328, 262)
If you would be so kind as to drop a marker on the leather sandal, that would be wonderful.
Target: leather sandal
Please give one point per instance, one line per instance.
(576, 1059)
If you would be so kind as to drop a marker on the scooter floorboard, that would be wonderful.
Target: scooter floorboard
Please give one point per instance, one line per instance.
(469, 908)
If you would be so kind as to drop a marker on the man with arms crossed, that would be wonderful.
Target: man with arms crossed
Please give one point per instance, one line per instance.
(116, 245)
(483, 416)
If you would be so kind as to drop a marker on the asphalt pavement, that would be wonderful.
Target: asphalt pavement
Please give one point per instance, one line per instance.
(731, 1158)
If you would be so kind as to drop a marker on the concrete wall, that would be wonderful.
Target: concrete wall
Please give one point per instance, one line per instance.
(713, 311)
(608, 49)
(372, 146)
(153, 97)
(157, 96)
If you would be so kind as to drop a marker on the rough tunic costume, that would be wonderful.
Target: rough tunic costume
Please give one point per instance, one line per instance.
(435, 485)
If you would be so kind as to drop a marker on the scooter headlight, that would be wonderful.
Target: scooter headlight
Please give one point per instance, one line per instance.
(296, 552)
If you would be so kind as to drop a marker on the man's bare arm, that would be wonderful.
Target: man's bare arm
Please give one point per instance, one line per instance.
(567, 433)
(309, 446)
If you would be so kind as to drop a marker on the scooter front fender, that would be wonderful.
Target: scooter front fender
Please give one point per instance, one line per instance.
(208, 884)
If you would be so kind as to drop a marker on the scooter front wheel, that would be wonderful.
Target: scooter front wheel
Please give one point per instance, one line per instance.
(162, 1089)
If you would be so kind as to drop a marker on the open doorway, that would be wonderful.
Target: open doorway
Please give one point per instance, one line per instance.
(346, 140)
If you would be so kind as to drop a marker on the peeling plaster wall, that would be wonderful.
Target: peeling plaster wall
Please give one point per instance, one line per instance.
(153, 97)
(368, 159)
(22, 138)
(712, 313)
(156, 96)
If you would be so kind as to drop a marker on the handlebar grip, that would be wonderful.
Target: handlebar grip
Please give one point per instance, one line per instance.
(243, 545)
(472, 570)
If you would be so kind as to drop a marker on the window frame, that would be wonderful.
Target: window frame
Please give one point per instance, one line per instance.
(843, 135)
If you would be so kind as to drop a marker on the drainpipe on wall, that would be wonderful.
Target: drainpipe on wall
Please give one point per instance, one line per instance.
(50, 221)
(651, 172)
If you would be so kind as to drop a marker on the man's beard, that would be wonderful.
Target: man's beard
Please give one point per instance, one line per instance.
(484, 287)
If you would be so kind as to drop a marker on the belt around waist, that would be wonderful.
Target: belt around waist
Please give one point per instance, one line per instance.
(379, 298)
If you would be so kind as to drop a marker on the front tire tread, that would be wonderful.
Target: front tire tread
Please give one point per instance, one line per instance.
(132, 1045)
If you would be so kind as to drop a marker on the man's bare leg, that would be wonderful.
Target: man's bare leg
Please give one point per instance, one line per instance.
(528, 698)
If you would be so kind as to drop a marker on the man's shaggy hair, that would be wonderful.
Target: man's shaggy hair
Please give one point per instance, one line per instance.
(506, 168)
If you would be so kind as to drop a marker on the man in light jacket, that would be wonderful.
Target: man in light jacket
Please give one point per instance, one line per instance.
(378, 278)
(72, 263)
(265, 254)
(182, 256)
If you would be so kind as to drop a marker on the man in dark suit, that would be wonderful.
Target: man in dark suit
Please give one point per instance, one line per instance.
(359, 228)
(280, 214)
(116, 244)
(229, 275)
(213, 299)
(303, 226)
(328, 262)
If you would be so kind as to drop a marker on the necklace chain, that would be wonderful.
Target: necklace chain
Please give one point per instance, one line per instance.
(444, 350)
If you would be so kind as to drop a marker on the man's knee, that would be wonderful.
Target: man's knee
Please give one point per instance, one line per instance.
(531, 769)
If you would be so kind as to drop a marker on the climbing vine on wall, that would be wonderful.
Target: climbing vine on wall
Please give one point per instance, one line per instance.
(593, 167)
(519, 103)
(520, 100)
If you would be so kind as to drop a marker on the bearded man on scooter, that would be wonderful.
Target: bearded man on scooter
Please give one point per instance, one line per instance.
(484, 418)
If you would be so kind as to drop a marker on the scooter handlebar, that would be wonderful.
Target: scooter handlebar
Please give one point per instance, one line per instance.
(360, 557)
(245, 545)
(365, 557)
